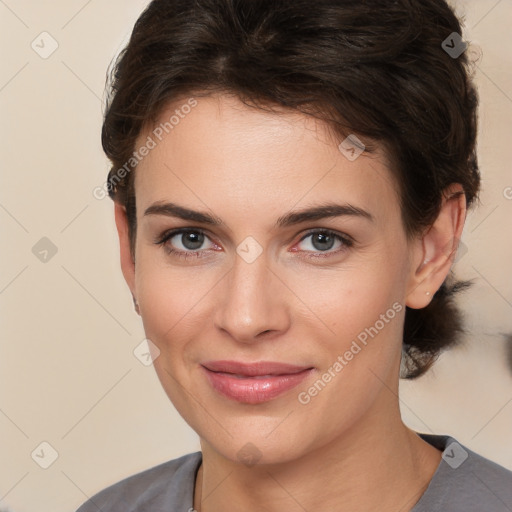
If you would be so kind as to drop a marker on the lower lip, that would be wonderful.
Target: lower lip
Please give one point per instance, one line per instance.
(254, 390)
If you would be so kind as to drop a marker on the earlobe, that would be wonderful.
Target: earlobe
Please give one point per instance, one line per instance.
(436, 250)
(127, 263)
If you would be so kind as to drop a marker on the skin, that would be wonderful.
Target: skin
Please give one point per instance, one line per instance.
(347, 449)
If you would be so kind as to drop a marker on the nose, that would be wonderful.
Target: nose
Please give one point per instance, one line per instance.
(253, 303)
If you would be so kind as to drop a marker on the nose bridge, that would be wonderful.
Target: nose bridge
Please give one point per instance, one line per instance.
(252, 301)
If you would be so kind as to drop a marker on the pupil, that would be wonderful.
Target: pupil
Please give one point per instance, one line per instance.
(323, 238)
(192, 240)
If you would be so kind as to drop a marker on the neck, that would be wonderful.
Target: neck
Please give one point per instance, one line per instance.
(376, 465)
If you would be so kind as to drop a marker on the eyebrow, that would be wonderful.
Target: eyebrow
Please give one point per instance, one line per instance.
(329, 210)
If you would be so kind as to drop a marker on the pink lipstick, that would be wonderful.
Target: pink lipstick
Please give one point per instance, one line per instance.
(254, 383)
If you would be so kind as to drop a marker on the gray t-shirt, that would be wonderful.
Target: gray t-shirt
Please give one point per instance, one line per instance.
(463, 482)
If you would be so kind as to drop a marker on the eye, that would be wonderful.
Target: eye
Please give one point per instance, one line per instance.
(184, 243)
(188, 243)
(323, 241)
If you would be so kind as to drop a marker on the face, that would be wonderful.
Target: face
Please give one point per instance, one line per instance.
(275, 329)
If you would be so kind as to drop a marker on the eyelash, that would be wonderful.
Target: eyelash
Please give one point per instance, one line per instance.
(187, 255)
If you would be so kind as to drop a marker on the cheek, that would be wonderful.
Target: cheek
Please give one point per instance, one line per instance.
(363, 305)
(352, 298)
(172, 302)
(359, 361)
(367, 342)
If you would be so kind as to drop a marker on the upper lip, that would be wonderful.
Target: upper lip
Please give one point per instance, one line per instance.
(255, 369)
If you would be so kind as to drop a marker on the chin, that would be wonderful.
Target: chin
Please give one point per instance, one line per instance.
(250, 448)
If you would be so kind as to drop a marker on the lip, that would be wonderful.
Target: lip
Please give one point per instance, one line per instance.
(254, 383)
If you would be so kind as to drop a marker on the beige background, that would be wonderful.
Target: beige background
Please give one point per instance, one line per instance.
(68, 330)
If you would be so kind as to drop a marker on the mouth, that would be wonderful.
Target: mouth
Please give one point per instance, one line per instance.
(253, 383)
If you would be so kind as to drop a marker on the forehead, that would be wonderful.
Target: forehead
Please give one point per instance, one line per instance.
(217, 146)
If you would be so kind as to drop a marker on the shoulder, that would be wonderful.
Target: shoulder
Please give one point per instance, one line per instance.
(162, 487)
(465, 481)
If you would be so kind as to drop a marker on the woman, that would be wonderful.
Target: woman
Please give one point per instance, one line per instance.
(291, 181)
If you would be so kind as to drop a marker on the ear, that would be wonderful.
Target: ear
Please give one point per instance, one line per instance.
(127, 263)
(434, 252)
